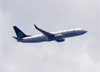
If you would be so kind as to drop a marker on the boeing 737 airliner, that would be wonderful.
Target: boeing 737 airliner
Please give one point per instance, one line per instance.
(47, 36)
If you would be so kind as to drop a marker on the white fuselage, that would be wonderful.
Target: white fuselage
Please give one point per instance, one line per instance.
(64, 34)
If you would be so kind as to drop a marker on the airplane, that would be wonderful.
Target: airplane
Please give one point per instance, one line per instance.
(47, 36)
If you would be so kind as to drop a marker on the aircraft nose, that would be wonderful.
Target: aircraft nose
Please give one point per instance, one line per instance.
(85, 31)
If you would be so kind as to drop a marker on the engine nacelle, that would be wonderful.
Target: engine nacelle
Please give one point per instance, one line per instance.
(59, 38)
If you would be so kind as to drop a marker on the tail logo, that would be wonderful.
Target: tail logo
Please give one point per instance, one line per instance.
(20, 34)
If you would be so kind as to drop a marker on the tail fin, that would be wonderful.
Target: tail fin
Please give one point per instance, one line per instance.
(19, 33)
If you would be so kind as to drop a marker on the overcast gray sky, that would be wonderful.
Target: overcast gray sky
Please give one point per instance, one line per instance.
(77, 54)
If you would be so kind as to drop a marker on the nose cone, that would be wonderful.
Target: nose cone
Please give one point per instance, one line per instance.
(85, 31)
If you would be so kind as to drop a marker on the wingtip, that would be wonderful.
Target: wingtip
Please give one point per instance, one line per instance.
(35, 26)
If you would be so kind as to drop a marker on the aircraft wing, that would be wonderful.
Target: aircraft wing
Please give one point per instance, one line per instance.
(49, 35)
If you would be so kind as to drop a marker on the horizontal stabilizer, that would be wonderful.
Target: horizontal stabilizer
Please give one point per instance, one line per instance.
(18, 39)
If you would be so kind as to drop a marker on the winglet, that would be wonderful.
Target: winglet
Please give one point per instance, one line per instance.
(35, 26)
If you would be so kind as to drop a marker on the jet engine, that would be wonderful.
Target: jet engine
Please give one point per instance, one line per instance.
(59, 38)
